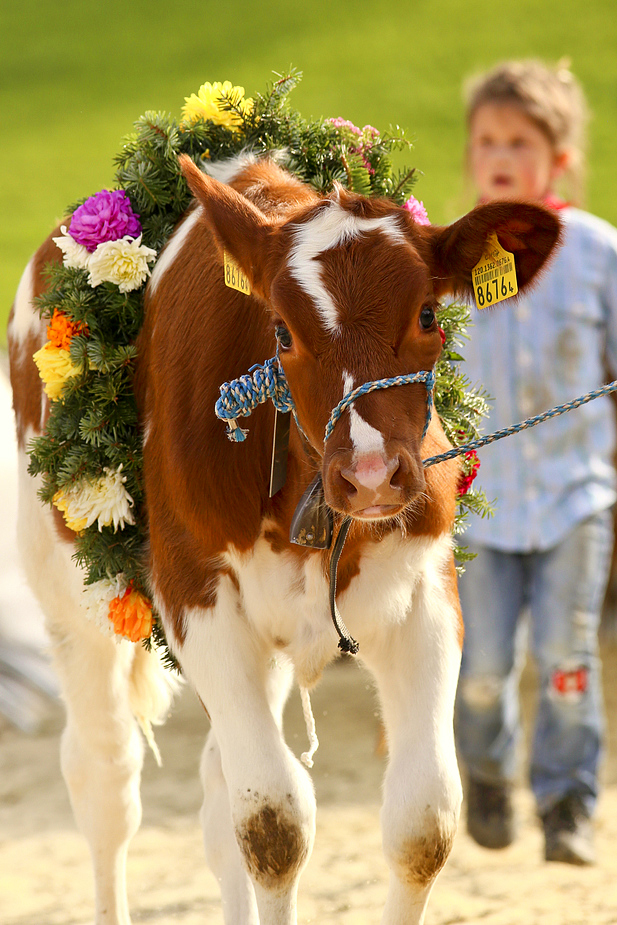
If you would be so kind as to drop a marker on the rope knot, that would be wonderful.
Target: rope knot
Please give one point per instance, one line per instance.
(241, 396)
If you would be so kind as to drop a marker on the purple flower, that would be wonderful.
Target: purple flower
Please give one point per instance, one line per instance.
(417, 211)
(106, 216)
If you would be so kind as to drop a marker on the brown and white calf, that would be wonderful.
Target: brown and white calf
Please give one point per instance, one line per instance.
(350, 288)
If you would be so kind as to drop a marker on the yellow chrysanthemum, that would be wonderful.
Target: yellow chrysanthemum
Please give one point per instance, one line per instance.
(64, 503)
(205, 104)
(55, 367)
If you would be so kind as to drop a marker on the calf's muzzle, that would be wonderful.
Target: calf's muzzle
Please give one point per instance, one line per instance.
(374, 485)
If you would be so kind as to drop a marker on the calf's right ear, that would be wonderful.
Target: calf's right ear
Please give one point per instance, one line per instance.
(238, 227)
(530, 232)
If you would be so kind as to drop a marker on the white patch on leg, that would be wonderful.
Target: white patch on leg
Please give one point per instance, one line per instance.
(331, 227)
(364, 437)
(415, 665)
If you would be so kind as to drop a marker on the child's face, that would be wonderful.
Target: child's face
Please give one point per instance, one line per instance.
(509, 156)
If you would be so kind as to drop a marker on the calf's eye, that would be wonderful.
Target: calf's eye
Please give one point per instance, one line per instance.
(283, 336)
(427, 317)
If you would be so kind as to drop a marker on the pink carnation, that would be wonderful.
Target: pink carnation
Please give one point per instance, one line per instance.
(417, 211)
(106, 216)
(345, 123)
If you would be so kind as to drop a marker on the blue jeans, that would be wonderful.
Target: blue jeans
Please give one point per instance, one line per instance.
(562, 588)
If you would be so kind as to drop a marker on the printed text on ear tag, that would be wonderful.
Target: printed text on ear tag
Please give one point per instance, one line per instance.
(494, 276)
(234, 277)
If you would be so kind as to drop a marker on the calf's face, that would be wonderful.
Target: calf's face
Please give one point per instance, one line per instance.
(353, 286)
(352, 303)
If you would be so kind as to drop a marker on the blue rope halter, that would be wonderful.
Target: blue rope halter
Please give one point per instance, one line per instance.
(426, 376)
(241, 396)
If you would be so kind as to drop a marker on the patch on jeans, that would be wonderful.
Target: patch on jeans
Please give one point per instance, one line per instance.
(569, 683)
(482, 693)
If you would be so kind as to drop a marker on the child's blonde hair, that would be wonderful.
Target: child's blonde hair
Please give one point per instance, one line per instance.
(551, 97)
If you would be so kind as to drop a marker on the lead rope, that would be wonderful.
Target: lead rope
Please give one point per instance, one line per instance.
(523, 425)
(307, 757)
(346, 641)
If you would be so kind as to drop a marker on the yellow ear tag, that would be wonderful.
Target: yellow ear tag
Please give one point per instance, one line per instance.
(494, 276)
(234, 277)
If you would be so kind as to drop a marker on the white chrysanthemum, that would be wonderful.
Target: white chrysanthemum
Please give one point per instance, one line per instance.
(105, 500)
(75, 255)
(98, 596)
(123, 262)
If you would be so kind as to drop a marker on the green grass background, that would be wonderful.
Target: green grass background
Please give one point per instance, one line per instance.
(75, 74)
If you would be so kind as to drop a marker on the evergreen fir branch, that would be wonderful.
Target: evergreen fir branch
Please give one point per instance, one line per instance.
(404, 184)
(277, 93)
(358, 175)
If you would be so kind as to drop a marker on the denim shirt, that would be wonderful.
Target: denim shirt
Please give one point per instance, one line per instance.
(551, 346)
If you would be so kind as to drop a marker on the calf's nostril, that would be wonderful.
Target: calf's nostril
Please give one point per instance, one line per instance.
(397, 479)
(345, 483)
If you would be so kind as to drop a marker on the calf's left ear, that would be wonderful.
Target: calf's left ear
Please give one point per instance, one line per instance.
(529, 232)
(238, 227)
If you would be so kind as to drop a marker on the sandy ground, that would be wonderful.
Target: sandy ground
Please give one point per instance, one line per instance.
(45, 874)
(44, 864)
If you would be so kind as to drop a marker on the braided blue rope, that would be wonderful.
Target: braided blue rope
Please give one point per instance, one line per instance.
(516, 428)
(426, 376)
(241, 396)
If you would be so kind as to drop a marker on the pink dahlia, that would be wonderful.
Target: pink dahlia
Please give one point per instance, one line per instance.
(416, 210)
(106, 216)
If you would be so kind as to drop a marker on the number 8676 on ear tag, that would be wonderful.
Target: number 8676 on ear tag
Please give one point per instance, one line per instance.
(494, 276)
(234, 277)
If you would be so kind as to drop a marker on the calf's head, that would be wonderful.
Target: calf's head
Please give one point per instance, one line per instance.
(353, 286)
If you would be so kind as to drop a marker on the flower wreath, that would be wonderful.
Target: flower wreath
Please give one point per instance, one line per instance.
(90, 455)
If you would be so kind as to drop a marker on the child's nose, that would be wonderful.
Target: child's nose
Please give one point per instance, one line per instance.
(502, 152)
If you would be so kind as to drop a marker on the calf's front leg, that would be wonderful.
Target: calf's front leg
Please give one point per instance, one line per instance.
(270, 795)
(416, 666)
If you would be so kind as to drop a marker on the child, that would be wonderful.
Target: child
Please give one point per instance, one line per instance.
(547, 548)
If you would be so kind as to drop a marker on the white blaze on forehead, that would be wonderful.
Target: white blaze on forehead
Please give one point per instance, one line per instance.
(365, 438)
(329, 228)
(173, 248)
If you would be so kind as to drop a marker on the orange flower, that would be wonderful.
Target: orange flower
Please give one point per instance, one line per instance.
(61, 330)
(131, 615)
